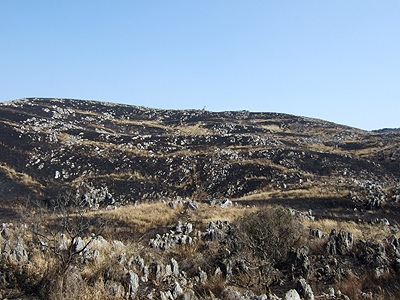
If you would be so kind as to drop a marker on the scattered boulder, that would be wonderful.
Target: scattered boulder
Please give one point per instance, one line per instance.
(292, 295)
(96, 197)
(79, 244)
(114, 288)
(217, 231)
(316, 233)
(339, 243)
(177, 290)
(174, 267)
(133, 284)
(304, 289)
(300, 262)
(304, 216)
(173, 238)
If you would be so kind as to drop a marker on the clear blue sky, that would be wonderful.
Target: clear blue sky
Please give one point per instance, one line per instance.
(333, 60)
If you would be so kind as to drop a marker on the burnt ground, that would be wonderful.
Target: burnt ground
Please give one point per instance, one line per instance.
(115, 154)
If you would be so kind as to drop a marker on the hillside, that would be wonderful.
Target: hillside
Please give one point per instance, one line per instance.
(128, 153)
(110, 201)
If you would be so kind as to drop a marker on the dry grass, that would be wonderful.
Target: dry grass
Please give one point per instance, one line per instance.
(360, 231)
(192, 130)
(21, 178)
(207, 213)
(299, 192)
(144, 216)
(125, 176)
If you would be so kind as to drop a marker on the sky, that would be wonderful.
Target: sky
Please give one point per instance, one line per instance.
(333, 60)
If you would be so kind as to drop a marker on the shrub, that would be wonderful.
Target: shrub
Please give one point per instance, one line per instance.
(268, 233)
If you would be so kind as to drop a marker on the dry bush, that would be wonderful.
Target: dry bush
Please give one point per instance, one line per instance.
(352, 285)
(214, 287)
(268, 233)
(316, 246)
(55, 262)
(58, 283)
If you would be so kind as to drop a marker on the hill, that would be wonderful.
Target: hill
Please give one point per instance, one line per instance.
(115, 201)
(128, 153)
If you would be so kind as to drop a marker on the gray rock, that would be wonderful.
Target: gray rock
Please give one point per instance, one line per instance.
(309, 295)
(299, 259)
(202, 276)
(331, 292)
(7, 233)
(188, 228)
(191, 204)
(166, 295)
(114, 288)
(316, 233)
(178, 236)
(122, 259)
(79, 244)
(19, 254)
(140, 263)
(292, 295)
(301, 287)
(63, 242)
(168, 270)
(228, 270)
(339, 243)
(177, 290)
(95, 253)
(188, 295)
(157, 270)
(133, 284)
(175, 267)
(304, 289)
(226, 203)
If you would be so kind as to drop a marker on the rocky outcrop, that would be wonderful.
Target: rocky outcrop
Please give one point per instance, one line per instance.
(217, 231)
(178, 236)
(341, 243)
(299, 261)
(304, 289)
(292, 295)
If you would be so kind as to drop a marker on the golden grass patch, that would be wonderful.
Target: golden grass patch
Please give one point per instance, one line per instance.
(143, 216)
(360, 231)
(21, 178)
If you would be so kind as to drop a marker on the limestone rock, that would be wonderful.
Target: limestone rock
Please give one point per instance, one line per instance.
(175, 267)
(292, 295)
(79, 244)
(339, 243)
(304, 289)
(177, 290)
(133, 284)
(114, 288)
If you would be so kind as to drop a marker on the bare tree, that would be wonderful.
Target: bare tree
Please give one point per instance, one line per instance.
(64, 230)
